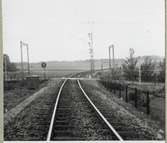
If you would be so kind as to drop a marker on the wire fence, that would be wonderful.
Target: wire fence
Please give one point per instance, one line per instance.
(136, 95)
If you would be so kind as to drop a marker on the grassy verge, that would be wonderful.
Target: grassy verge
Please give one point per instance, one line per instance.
(17, 93)
(33, 122)
(95, 89)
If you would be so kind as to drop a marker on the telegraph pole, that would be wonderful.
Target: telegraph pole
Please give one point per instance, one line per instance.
(139, 70)
(21, 48)
(101, 64)
(90, 35)
(113, 57)
(139, 73)
(109, 57)
(91, 44)
(28, 63)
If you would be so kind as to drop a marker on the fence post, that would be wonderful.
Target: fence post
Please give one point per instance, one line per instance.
(126, 94)
(120, 91)
(114, 88)
(148, 103)
(111, 87)
(135, 97)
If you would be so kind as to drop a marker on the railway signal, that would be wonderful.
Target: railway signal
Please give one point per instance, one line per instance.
(113, 59)
(43, 65)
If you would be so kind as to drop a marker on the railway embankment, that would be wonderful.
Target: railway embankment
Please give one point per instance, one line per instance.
(127, 114)
(28, 120)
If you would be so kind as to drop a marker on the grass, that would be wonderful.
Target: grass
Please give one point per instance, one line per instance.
(16, 94)
(32, 123)
(157, 106)
(156, 119)
(50, 73)
(157, 100)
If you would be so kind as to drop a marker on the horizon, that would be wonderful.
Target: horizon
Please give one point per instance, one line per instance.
(84, 60)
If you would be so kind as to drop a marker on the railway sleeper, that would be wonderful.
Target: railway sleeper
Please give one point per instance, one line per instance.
(67, 138)
(64, 119)
(110, 133)
(61, 115)
(61, 107)
(61, 122)
(63, 127)
(124, 129)
(63, 112)
(42, 122)
(37, 113)
(129, 134)
(62, 133)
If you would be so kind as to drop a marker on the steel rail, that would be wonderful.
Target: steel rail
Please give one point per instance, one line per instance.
(54, 111)
(99, 113)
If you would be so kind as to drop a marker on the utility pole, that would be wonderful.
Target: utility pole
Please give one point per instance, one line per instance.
(101, 64)
(139, 70)
(22, 72)
(28, 63)
(113, 57)
(109, 57)
(91, 44)
(90, 35)
(139, 74)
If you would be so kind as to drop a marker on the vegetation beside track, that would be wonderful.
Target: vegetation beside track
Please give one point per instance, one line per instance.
(126, 112)
(15, 93)
(33, 122)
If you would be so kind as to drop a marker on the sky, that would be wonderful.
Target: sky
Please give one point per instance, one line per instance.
(58, 29)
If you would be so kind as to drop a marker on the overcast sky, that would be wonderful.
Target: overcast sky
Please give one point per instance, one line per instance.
(58, 29)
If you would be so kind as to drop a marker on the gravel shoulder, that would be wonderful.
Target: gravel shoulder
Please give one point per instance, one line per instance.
(126, 112)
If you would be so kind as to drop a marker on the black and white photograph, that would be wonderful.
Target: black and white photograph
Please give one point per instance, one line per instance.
(83, 70)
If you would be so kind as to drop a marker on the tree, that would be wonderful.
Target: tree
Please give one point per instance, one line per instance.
(116, 73)
(129, 67)
(147, 70)
(8, 66)
(161, 74)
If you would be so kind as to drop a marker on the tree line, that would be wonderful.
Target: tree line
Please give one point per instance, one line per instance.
(8, 66)
(150, 71)
(132, 69)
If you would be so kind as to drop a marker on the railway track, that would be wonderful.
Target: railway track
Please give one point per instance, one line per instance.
(74, 113)
(75, 117)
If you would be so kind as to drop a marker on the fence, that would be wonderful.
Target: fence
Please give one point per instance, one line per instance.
(137, 97)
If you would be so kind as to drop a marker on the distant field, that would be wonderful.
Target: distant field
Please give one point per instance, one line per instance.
(56, 73)
(50, 73)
